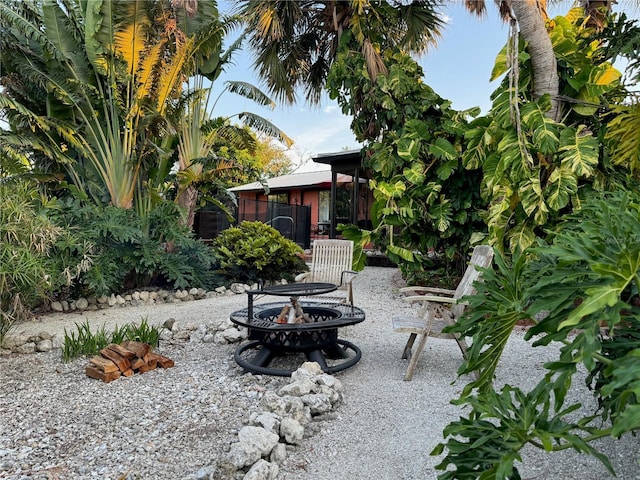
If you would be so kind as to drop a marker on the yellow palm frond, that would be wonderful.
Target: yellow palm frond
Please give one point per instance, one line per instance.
(129, 39)
(146, 72)
(171, 74)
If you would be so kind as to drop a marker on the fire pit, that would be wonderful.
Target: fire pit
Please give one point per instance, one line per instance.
(316, 338)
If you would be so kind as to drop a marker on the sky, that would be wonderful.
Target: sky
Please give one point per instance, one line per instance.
(458, 68)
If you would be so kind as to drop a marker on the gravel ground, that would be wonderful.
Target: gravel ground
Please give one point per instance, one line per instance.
(55, 423)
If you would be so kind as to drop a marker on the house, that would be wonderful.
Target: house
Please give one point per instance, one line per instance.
(303, 206)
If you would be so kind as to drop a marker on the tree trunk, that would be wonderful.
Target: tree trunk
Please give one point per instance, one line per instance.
(543, 60)
(187, 199)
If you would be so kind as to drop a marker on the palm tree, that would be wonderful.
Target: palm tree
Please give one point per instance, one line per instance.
(296, 42)
(530, 16)
(200, 132)
(86, 81)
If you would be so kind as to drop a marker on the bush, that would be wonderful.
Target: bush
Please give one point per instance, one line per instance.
(254, 251)
(125, 251)
(26, 239)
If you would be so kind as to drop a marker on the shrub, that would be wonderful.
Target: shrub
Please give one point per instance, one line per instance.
(127, 251)
(25, 241)
(254, 251)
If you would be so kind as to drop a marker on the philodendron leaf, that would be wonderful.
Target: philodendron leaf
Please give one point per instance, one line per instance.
(562, 185)
(391, 190)
(545, 130)
(415, 174)
(446, 169)
(401, 252)
(408, 148)
(442, 149)
(598, 299)
(579, 150)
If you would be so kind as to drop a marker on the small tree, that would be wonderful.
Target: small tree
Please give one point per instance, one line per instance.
(423, 197)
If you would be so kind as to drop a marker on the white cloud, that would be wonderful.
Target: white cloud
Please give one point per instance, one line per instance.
(331, 109)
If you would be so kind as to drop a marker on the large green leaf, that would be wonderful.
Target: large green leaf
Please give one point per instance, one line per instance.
(408, 148)
(562, 185)
(415, 174)
(625, 378)
(598, 298)
(416, 128)
(579, 150)
(545, 130)
(441, 214)
(446, 169)
(521, 237)
(403, 253)
(391, 189)
(442, 149)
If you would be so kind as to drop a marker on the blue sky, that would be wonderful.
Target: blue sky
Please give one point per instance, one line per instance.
(458, 69)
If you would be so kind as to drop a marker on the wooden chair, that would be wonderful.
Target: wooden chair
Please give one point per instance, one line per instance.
(332, 262)
(433, 316)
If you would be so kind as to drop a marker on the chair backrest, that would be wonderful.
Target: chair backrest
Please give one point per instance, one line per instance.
(482, 257)
(329, 259)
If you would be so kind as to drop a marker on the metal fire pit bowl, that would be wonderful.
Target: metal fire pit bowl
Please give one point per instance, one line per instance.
(317, 340)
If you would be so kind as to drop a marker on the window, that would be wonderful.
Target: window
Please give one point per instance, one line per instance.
(324, 201)
(278, 197)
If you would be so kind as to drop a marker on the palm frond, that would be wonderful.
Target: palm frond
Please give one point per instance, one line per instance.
(262, 125)
(11, 16)
(129, 41)
(247, 90)
(238, 137)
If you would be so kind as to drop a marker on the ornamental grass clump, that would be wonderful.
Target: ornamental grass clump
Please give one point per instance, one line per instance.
(85, 342)
(25, 241)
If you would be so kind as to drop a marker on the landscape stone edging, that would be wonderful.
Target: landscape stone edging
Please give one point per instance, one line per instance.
(284, 418)
(221, 332)
(148, 297)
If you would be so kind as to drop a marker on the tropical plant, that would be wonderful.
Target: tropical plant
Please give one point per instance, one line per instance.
(254, 251)
(86, 83)
(296, 43)
(200, 134)
(424, 200)
(536, 169)
(26, 240)
(531, 18)
(128, 251)
(583, 290)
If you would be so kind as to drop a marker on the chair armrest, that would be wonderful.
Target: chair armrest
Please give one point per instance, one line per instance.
(302, 276)
(430, 298)
(350, 274)
(427, 289)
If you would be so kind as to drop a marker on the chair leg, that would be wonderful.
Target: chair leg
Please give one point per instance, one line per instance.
(406, 353)
(415, 357)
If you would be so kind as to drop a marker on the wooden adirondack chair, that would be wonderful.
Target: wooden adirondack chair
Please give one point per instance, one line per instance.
(332, 262)
(433, 316)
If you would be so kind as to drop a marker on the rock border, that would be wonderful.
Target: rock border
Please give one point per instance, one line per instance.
(284, 418)
(222, 332)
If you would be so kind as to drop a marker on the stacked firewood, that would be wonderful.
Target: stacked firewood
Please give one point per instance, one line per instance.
(293, 313)
(125, 360)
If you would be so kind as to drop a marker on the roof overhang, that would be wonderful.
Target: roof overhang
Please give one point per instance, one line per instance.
(345, 161)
